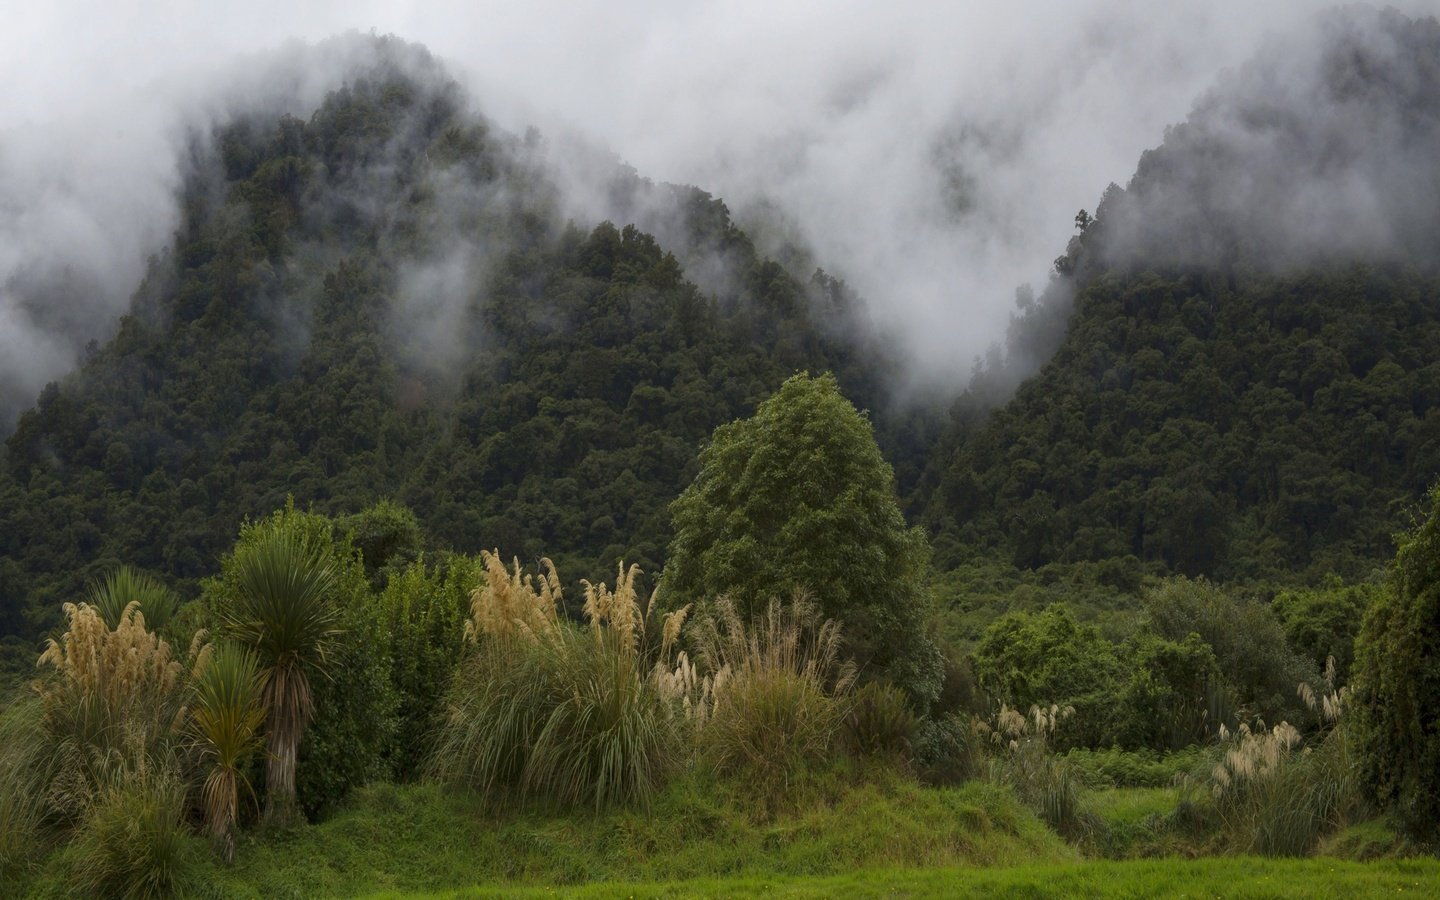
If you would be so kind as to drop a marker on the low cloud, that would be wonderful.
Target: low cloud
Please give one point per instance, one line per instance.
(933, 156)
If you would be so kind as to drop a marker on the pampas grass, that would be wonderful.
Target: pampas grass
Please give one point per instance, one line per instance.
(778, 689)
(545, 710)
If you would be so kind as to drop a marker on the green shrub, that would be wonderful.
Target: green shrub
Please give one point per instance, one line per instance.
(424, 608)
(1397, 683)
(1033, 659)
(1248, 641)
(134, 841)
(948, 750)
(879, 722)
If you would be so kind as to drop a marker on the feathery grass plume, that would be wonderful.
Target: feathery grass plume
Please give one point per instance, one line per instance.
(542, 709)
(1026, 761)
(285, 612)
(1278, 797)
(226, 722)
(111, 595)
(509, 605)
(108, 691)
(778, 686)
(133, 841)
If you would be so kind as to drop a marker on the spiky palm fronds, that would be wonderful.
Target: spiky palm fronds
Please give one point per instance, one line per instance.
(284, 611)
(226, 721)
(113, 594)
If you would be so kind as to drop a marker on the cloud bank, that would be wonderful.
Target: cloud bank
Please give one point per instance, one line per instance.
(931, 154)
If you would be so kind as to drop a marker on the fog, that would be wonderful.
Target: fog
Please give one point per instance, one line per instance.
(933, 155)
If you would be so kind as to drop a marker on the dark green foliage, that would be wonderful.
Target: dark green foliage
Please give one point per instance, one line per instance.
(351, 733)
(799, 497)
(948, 750)
(388, 537)
(1321, 623)
(553, 394)
(1175, 697)
(424, 608)
(1028, 659)
(879, 721)
(1397, 682)
(1249, 644)
(117, 590)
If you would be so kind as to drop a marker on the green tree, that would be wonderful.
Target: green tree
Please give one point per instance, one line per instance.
(1397, 682)
(284, 610)
(798, 497)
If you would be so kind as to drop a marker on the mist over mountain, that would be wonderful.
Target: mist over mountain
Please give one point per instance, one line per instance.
(1246, 384)
(931, 157)
(359, 285)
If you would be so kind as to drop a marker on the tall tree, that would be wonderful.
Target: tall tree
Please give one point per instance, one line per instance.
(798, 497)
(1397, 682)
(283, 610)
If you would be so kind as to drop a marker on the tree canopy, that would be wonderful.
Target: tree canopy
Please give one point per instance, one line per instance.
(798, 497)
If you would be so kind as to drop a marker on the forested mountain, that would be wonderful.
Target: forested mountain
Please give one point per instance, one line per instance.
(380, 298)
(1249, 383)
(385, 296)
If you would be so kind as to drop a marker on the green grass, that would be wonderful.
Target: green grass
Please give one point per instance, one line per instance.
(1243, 877)
(427, 839)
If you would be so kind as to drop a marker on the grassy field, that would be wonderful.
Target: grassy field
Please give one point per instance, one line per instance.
(852, 835)
(1240, 877)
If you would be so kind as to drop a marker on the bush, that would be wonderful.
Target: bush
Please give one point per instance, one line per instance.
(1247, 639)
(1032, 659)
(879, 722)
(424, 609)
(948, 750)
(134, 841)
(1397, 683)
(798, 497)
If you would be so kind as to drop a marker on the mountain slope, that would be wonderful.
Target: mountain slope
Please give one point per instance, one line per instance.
(384, 299)
(1250, 380)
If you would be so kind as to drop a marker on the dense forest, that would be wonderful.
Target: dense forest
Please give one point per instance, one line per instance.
(385, 367)
(382, 301)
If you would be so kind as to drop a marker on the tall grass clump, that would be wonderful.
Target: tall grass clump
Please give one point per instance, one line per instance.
(134, 841)
(543, 709)
(779, 690)
(108, 695)
(1044, 781)
(1275, 795)
(25, 765)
